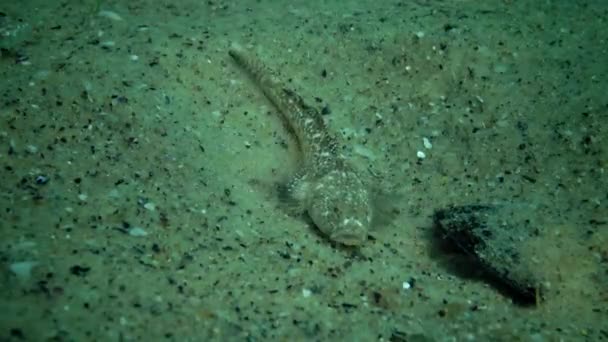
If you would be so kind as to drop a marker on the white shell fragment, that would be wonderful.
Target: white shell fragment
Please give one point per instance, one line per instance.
(137, 231)
(364, 152)
(427, 143)
(23, 269)
(110, 15)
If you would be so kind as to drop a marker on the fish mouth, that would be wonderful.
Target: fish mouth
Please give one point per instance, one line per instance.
(350, 238)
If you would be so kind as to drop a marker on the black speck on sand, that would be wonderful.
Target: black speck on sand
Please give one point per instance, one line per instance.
(156, 219)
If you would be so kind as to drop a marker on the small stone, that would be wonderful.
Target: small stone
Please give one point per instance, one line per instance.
(42, 179)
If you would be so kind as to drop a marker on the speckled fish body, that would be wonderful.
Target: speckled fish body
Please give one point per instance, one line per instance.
(328, 188)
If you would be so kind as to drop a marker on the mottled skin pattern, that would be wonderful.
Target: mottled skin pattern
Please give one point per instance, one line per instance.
(328, 188)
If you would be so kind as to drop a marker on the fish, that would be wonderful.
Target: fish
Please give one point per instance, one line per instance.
(327, 187)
